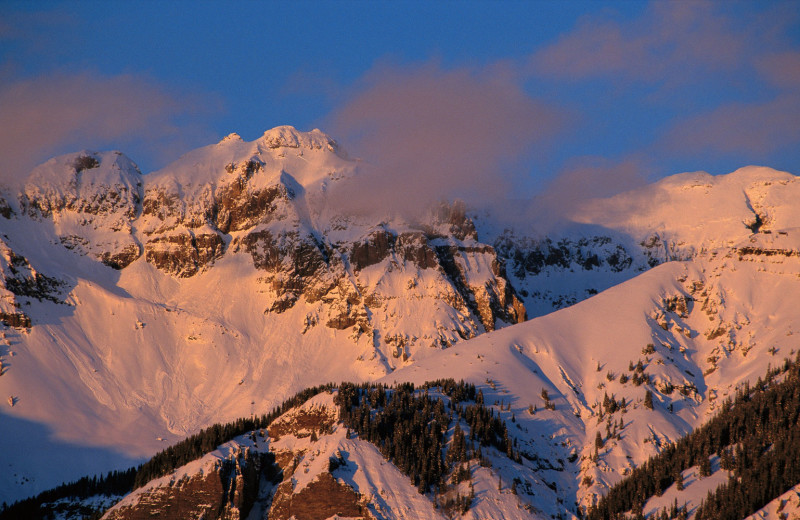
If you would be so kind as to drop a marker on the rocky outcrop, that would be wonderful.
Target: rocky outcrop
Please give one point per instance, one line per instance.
(288, 137)
(184, 254)
(347, 309)
(323, 498)
(175, 245)
(413, 247)
(92, 200)
(225, 491)
(262, 199)
(162, 204)
(526, 257)
(5, 208)
(237, 209)
(20, 279)
(88, 189)
(297, 265)
(20, 283)
(232, 205)
(409, 246)
(373, 249)
(122, 258)
(303, 266)
(766, 251)
(490, 301)
(17, 320)
(450, 219)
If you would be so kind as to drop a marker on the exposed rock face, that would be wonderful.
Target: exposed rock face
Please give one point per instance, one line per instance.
(184, 254)
(17, 320)
(237, 209)
(186, 234)
(372, 250)
(302, 423)
(20, 281)
(122, 258)
(528, 257)
(408, 246)
(323, 498)
(296, 265)
(91, 190)
(413, 247)
(232, 205)
(225, 492)
(288, 137)
(5, 208)
(20, 278)
(452, 219)
(258, 475)
(491, 301)
(263, 200)
(92, 200)
(761, 251)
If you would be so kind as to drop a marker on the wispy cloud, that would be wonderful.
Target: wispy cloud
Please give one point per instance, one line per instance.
(750, 129)
(581, 180)
(38, 35)
(782, 69)
(721, 79)
(717, 83)
(669, 38)
(56, 113)
(426, 133)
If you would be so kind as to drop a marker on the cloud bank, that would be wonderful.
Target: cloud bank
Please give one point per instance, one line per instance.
(669, 40)
(683, 82)
(425, 133)
(57, 113)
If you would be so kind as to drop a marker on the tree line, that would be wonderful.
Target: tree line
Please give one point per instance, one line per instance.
(757, 437)
(409, 426)
(163, 463)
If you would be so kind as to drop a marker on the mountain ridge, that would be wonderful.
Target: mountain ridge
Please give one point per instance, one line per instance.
(310, 295)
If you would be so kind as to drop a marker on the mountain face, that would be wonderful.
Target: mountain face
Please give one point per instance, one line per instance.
(138, 309)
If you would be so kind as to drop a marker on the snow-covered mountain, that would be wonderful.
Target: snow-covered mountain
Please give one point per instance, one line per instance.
(141, 308)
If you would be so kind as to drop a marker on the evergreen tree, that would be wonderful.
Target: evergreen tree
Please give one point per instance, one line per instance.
(705, 467)
(598, 441)
(648, 400)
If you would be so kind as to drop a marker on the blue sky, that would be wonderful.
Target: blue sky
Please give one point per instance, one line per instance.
(506, 97)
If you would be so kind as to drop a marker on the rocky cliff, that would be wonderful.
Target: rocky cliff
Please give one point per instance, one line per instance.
(260, 200)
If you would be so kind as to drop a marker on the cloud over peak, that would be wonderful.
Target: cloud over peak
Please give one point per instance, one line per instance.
(427, 133)
(54, 113)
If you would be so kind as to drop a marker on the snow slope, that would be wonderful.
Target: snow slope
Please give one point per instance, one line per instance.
(207, 291)
(701, 327)
(121, 362)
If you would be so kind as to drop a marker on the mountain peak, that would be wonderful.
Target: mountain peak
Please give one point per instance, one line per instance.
(744, 176)
(232, 137)
(289, 137)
